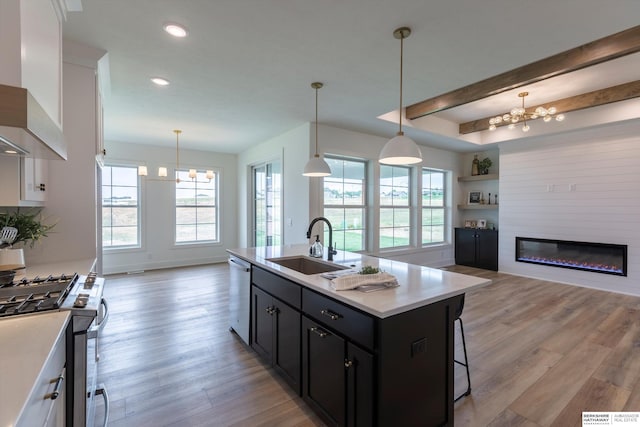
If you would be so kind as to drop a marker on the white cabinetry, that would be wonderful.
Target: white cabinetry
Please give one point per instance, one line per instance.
(24, 181)
(31, 51)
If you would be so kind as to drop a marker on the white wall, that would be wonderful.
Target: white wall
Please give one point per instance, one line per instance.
(292, 148)
(71, 188)
(580, 186)
(158, 210)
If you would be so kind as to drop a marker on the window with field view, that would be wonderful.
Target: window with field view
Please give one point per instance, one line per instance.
(197, 208)
(395, 212)
(345, 202)
(433, 206)
(120, 207)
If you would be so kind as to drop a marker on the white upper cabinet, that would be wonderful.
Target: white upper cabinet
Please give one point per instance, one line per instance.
(31, 51)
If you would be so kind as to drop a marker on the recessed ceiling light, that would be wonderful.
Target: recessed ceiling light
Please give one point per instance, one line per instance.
(11, 151)
(160, 81)
(175, 30)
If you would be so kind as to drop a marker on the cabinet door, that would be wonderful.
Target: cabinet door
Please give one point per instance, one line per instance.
(34, 179)
(487, 249)
(323, 367)
(262, 316)
(286, 358)
(359, 365)
(465, 246)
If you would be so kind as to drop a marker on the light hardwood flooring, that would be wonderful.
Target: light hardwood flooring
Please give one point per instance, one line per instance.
(540, 354)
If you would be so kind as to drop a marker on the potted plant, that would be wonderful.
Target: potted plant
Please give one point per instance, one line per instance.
(30, 228)
(484, 166)
(30, 225)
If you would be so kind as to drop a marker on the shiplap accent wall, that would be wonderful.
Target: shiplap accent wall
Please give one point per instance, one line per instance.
(581, 186)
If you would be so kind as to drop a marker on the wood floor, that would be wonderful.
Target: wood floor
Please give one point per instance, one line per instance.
(540, 354)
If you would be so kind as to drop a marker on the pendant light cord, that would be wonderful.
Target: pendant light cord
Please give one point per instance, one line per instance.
(316, 155)
(400, 109)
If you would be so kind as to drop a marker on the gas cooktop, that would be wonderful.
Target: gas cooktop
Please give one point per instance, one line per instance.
(35, 295)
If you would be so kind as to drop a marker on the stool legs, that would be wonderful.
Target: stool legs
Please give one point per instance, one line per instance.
(465, 364)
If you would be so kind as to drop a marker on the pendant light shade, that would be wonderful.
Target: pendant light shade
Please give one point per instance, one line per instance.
(400, 150)
(316, 166)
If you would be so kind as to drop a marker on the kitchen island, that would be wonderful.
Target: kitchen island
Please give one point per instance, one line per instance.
(382, 358)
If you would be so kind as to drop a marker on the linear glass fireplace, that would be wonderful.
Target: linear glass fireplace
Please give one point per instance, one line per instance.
(597, 257)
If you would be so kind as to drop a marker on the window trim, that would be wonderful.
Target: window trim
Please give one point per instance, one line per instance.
(140, 208)
(365, 198)
(412, 188)
(445, 207)
(198, 243)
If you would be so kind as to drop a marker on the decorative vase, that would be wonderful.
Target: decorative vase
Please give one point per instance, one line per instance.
(475, 165)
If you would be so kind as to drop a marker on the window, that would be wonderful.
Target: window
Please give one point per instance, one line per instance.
(433, 203)
(395, 212)
(120, 207)
(196, 208)
(344, 203)
(267, 187)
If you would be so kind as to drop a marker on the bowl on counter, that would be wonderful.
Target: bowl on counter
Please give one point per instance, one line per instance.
(6, 276)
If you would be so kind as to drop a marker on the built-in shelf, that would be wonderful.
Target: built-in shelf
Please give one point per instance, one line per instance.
(478, 177)
(485, 206)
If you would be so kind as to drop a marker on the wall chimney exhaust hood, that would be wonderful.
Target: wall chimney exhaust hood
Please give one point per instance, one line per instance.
(26, 128)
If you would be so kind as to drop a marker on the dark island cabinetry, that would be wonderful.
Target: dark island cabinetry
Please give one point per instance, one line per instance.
(276, 324)
(353, 368)
(477, 248)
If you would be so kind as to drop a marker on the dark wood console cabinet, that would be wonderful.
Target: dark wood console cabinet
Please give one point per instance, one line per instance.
(477, 248)
(357, 369)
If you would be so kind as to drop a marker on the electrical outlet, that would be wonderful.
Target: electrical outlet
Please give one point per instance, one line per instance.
(418, 347)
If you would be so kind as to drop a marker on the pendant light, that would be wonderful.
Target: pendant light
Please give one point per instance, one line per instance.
(316, 166)
(400, 150)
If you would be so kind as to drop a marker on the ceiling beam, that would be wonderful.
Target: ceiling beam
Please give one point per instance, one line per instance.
(605, 49)
(566, 105)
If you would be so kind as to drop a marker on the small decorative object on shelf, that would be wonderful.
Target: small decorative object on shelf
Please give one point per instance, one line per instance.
(484, 165)
(489, 199)
(496, 199)
(482, 223)
(475, 165)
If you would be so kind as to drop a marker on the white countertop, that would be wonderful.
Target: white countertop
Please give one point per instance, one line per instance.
(27, 342)
(419, 286)
(81, 266)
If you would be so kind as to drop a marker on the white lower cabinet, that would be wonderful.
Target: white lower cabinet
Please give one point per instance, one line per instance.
(46, 405)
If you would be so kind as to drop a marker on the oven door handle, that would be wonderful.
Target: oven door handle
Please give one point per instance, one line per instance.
(94, 331)
(103, 391)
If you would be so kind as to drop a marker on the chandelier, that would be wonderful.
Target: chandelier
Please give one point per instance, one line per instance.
(162, 171)
(520, 114)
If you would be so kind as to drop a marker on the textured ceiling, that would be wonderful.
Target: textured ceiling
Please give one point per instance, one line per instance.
(243, 74)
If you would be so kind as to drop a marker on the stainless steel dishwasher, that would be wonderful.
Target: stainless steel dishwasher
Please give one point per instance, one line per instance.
(239, 297)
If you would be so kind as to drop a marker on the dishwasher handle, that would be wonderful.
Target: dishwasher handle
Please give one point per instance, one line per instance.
(236, 263)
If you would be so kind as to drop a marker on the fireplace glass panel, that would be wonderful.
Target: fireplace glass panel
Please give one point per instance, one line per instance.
(597, 257)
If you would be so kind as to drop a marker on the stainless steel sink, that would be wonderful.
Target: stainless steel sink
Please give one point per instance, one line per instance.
(306, 265)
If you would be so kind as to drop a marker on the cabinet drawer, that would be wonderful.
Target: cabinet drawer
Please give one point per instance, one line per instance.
(356, 326)
(277, 286)
(41, 402)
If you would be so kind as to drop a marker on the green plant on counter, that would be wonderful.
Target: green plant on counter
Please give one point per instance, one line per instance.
(367, 269)
(30, 225)
(484, 165)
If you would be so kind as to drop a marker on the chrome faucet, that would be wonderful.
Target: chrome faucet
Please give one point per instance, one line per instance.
(330, 249)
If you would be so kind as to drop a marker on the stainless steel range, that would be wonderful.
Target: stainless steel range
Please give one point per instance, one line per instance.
(82, 296)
